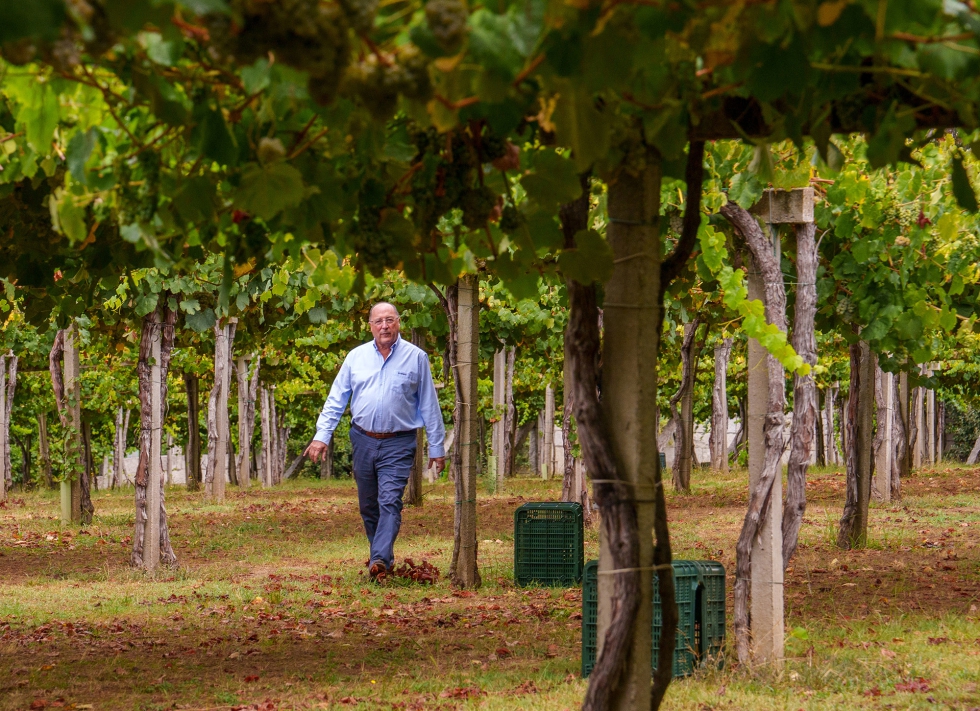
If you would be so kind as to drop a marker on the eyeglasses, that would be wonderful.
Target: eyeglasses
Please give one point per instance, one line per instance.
(383, 321)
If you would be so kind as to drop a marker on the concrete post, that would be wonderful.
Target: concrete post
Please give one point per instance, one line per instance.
(74, 463)
(497, 434)
(930, 440)
(766, 604)
(151, 544)
(548, 463)
(883, 468)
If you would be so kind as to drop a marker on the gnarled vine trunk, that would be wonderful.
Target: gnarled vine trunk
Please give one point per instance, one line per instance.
(805, 411)
(8, 386)
(853, 528)
(684, 429)
(248, 389)
(151, 322)
(718, 439)
(193, 452)
(463, 569)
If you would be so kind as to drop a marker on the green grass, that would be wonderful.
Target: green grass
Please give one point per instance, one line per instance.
(271, 602)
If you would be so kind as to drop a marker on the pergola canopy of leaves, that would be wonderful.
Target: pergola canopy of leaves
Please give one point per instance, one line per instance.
(387, 134)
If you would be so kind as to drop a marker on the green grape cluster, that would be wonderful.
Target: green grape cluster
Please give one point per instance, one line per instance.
(252, 241)
(304, 34)
(376, 249)
(477, 204)
(418, 82)
(378, 84)
(448, 173)
(908, 215)
(492, 146)
(149, 191)
(360, 14)
(510, 220)
(447, 22)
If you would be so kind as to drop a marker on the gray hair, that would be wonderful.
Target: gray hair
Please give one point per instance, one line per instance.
(384, 303)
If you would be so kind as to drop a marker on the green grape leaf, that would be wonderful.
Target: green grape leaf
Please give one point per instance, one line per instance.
(962, 189)
(145, 303)
(71, 218)
(581, 126)
(77, 154)
(554, 181)
(215, 141)
(256, 77)
(201, 321)
(195, 200)
(161, 51)
(267, 190)
(590, 261)
(745, 190)
(491, 46)
(40, 117)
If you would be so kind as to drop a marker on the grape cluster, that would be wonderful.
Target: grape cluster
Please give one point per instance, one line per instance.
(448, 171)
(477, 204)
(149, 191)
(360, 14)
(375, 248)
(447, 22)
(378, 83)
(138, 203)
(304, 34)
(447, 177)
(510, 220)
(492, 146)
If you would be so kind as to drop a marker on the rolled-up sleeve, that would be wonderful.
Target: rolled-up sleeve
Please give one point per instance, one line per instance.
(336, 403)
(429, 410)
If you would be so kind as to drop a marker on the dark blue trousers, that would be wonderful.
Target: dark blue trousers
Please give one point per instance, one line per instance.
(381, 470)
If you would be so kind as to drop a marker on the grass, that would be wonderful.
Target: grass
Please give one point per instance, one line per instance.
(270, 608)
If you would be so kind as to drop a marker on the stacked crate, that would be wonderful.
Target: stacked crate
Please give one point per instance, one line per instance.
(699, 588)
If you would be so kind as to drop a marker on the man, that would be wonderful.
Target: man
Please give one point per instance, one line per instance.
(393, 395)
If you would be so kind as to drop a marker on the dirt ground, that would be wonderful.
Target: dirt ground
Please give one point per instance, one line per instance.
(271, 609)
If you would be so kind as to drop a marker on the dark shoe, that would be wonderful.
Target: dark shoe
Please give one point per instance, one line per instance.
(378, 571)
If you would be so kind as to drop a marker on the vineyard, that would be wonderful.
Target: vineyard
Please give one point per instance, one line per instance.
(707, 273)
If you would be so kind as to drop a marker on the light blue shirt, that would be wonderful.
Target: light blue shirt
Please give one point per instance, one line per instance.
(390, 395)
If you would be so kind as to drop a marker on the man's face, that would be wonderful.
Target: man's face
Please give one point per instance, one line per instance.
(384, 325)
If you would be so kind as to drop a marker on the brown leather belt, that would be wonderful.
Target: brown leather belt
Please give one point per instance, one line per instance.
(383, 435)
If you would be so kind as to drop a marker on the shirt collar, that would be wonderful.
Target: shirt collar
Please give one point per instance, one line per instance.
(378, 350)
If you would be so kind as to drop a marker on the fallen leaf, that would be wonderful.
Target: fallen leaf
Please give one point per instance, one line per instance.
(913, 686)
(887, 653)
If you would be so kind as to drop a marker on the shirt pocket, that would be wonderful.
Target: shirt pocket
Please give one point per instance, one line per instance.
(406, 381)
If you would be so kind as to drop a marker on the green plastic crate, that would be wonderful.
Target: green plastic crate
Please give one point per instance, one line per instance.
(699, 588)
(549, 547)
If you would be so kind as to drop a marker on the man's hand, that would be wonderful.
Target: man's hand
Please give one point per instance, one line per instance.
(438, 462)
(316, 451)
